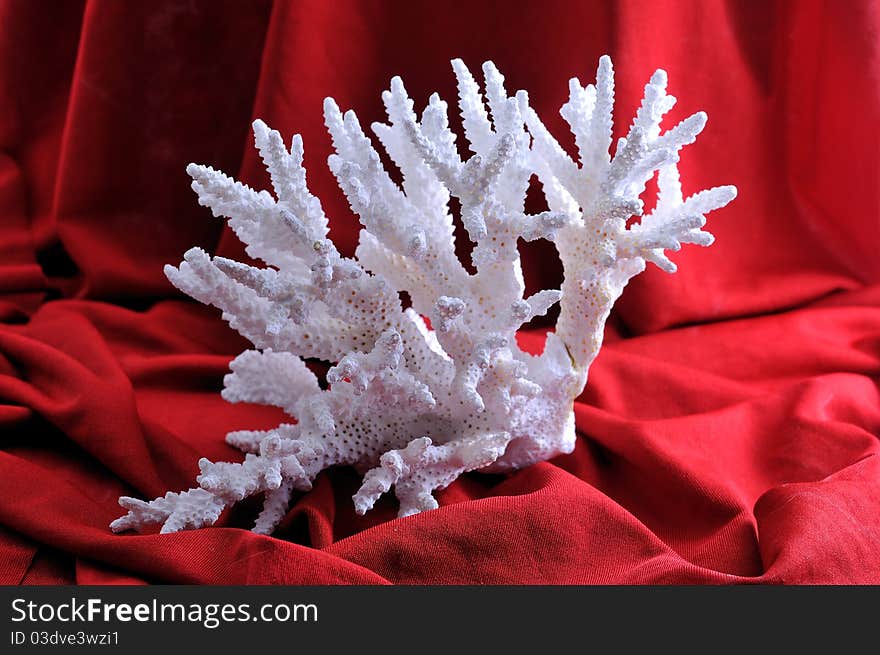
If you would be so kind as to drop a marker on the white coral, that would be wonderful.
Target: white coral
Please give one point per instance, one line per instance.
(409, 406)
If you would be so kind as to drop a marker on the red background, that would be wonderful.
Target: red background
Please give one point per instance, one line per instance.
(729, 431)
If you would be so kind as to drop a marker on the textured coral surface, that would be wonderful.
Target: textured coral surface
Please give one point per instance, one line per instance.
(411, 406)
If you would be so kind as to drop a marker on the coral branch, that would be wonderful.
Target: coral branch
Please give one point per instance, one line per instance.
(420, 468)
(411, 406)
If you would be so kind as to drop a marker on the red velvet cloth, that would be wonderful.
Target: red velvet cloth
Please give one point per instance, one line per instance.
(729, 430)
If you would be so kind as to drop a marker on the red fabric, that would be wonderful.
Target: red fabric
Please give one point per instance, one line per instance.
(729, 430)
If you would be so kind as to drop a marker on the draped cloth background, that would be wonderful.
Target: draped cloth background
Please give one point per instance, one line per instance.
(729, 431)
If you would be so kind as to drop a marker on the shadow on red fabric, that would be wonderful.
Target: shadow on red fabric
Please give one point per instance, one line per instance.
(729, 430)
